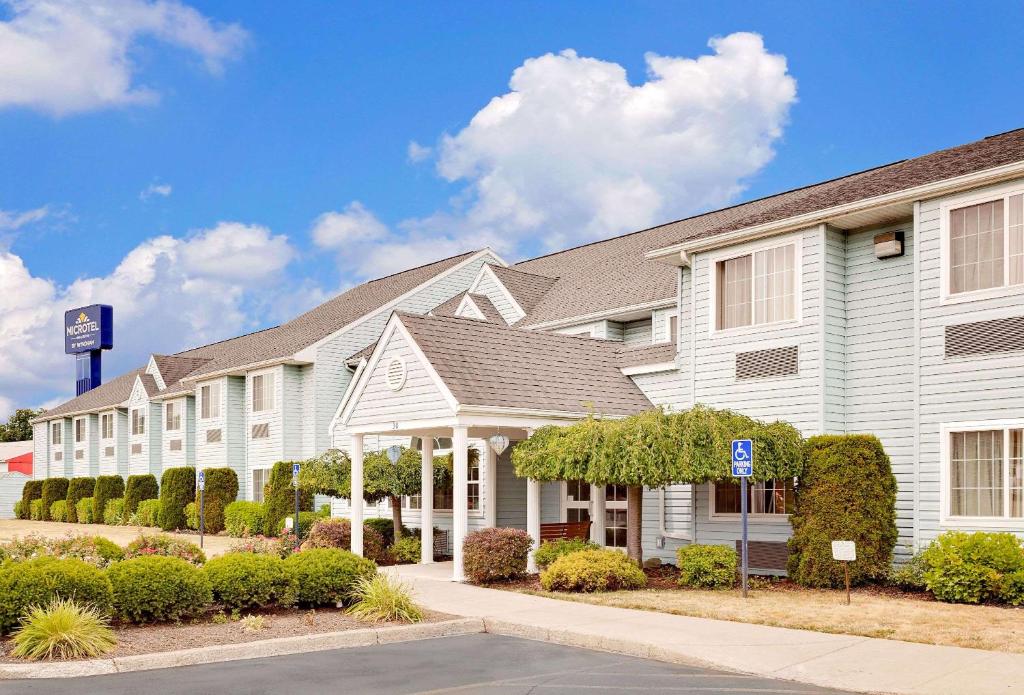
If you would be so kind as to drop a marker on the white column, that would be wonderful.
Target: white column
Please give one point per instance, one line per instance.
(460, 504)
(427, 502)
(356, 504)
(490, 464)
(597, 513)
(533, 519)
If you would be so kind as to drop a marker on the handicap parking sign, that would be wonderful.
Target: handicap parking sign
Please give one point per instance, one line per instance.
(742, 458)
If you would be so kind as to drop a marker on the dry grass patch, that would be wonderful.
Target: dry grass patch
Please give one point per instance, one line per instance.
(872, 614)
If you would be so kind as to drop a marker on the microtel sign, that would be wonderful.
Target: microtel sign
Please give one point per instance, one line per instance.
(89, 328)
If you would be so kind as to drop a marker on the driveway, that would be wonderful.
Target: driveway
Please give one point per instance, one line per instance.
(469, 664)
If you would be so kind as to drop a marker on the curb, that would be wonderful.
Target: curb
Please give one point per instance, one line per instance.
(279, 646)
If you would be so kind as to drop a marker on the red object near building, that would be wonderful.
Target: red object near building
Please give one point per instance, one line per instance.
(20, 464)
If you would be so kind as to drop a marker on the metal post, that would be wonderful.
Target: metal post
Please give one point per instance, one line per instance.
(743, 513)
(202, 516)
(295, 484)
(846, 571)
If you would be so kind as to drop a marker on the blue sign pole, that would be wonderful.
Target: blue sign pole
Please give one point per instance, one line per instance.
(295, 482)
(743, 468)
(202, 505)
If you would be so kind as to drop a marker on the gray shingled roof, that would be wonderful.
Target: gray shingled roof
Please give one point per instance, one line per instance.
(117, 390)
(631, 356)
(527, 288)
(450, 306)
(491, 365)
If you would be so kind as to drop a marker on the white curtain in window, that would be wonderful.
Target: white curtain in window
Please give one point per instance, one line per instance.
(1016, 232)
(976, 473)
(736, 292)
(773, 284)
(976, 247)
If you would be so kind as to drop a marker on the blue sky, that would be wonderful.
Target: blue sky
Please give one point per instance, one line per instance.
(267, 116)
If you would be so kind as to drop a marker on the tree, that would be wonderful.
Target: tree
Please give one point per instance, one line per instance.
(18, 427)
(654, 449)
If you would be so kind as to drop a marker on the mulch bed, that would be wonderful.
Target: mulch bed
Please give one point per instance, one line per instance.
(204, 632)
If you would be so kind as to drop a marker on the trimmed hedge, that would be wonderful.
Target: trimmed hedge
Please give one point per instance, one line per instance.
(549, 551)
(138, 488)
(54, 489)
(248, 580)
(19, 510)
(243, 518)
(965, 567)
(279, 497)
(147, 589)
(108, 487)
(221, 490)
(83, 510)
(847, 492)
(78, 489)
(326, 576)
(706, 566)
(36, 582)
(496, 554)
(177, 489)
(593, 570)
(113, 514)
(148, 513)
(33, 490)
(59, 511)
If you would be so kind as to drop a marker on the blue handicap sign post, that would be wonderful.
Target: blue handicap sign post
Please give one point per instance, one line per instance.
(295, 484)
(202, 505)
(743, 468)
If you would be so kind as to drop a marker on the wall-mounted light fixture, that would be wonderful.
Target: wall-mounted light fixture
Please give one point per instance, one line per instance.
(889, 244)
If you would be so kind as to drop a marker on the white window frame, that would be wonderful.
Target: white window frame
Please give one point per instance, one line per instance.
(209, 400)
(945, 256)
(1003, 523)
(104, 418)
(83, 436)
(715, 515)
(266, 473)
(478, 512)
(669, 315)
(795, 240)
(57, 433)
(133, 420)
(273, 391)
(172, 416)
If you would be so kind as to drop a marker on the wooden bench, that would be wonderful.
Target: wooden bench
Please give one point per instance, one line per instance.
(574, 530)
(765, 555)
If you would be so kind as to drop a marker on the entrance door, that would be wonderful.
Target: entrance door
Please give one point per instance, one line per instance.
(576, 501)
(615, 516)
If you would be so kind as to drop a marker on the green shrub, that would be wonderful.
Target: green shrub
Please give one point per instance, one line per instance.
(59, 510)
(337, 533)
(167, 546)
(37, 582)
(381, 598)
(147, 589)
(78, 489)
(54, 489)
(972, 567)
(95, 550)
(83, 510)
(248, 580)
(593, 570)
(262, 545)
(192, 516)
(706, 566)
(847, 492)
(108, 487)
(63, 629)
(280, 497)
(910, 575)
(33, 490)
(36, 510)
(495, 554)
(549, 551)
(385, 527)
(19, 510)
(113, 513)
(221, 490)
(137, 489)
(326, 576)
(1011, 589)
(406, 550)
(177, 489)
(148, 513)
(243, 518)
(306, 522)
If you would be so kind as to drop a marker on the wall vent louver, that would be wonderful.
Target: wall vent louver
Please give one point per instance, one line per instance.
(174, 445)
(261, 431)
(775, 362)
(109, 452)
(79, 455)
(985, 337)
(213, 436)
(395, 375)
(58, 455)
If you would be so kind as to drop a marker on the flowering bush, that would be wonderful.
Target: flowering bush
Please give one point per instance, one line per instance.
(94, 550)
(262, 545)
(168, 546)
(496, 554)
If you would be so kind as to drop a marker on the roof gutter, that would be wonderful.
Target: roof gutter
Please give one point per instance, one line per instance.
(907, 196)
(602, 315)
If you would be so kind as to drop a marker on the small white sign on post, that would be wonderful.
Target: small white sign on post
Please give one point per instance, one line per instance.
(289, 523)
(844, 551)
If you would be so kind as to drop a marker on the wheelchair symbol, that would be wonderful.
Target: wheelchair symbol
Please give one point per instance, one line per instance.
(740, 453)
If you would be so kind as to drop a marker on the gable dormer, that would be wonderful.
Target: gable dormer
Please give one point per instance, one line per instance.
(512, 292)
(153, 369)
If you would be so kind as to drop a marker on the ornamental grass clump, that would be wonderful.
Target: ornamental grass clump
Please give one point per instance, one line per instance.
(496, 554)
(383, 599)
(63, 629)
(706, 566)
(589, 571)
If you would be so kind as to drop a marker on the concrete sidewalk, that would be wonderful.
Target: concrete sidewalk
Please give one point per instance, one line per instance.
(846, 662)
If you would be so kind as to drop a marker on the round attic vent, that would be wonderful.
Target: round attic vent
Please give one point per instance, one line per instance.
(396, 374)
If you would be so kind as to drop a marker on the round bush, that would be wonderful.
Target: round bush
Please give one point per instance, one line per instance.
(59, 510)
(138, 488)
(108, 487)
(406, 550)
(973, 567)
(847, 492)
(221, 490)
(280, 497)
(148, 513)
(706, 566)
(95, 550)
(54, 489)
(33, 490)
(495, 554)
(78, 489)
(167, 546)
(113, 513)
(37, 582)
(593, 570)
(248, 580)
(83, 510)
(177, 489)
(147, 589)
(337, 533)
(243, 518)
(549, 551)
(326, 576)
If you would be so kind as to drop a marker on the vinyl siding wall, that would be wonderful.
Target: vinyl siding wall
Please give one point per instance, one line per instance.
(637, 332)
(122, 431)
(212, 454)
(40, 450)
(264, 452)
(493, 290)
(108, 464)
(234, 434)
(174, 459)
(80, 464)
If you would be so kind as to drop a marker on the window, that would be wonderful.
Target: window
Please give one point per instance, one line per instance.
(138, 421)
(774, 497)
(615, 516)
(262, 392)
(107, 426)
(577, 501)
(260, 476)
(986, 245)
(58, 433)
(210, 397)
(172, 416)
(756, 288)
(444, 497)
(985, 477)
(671, 329)
(79, 431)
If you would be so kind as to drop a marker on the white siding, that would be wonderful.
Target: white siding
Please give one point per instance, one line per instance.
(122, 430)
(490, 287)
(212, 454)
(264, 452)
(234, 433)
(108, 464)
(80, 463)
(174, 459)
(293, 403)
(637, 332)
(834, 332)
(40, 449)
(11, 487)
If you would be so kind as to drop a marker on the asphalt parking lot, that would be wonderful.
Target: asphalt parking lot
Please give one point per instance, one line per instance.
(469, 664)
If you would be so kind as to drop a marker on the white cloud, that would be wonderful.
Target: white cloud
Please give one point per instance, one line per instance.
(168, 293)
(66, 56)
(12, 220)
(418, 153)
(161, 189)
(354, 225)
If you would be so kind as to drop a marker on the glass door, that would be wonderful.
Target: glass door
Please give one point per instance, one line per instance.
(576, 505)
(615, 516)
